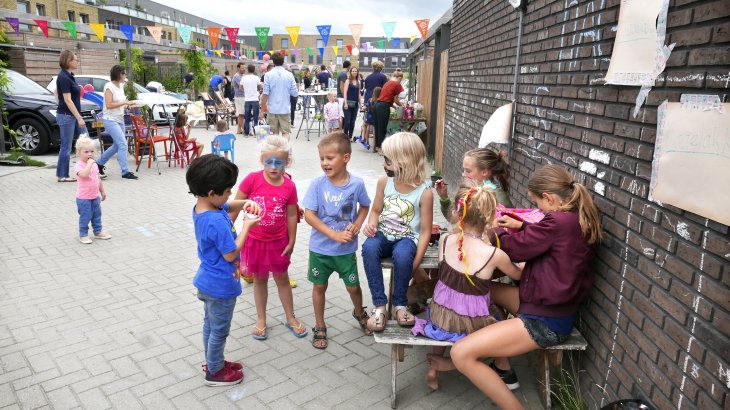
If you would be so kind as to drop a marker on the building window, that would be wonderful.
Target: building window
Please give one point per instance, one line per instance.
(109, 24)
(320, 43)
(40, 9)
(403, 61)
(319, 60)
(339, 43)
(293, 58)
(284, 43)
(339, 60)
(394, 61)
(84, 18)
(365, 61)
(71, 16)
(24, 7)
(311, 59)
(348, 58)
(375, 59)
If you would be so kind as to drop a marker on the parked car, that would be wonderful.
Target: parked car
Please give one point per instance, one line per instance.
(171, 104)
(32, 114)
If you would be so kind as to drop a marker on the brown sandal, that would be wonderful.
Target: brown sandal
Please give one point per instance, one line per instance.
(363, 326)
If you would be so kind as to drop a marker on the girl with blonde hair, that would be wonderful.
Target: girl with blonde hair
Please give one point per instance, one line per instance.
(399, 225)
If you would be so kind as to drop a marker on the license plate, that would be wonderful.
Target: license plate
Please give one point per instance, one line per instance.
(98, 124)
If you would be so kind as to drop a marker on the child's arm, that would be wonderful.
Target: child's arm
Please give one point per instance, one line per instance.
(84, 173)
(426, 204)
(237, 206)
(101, 189)
(371, 228)
(355, 227)
(341, 237)
(504, 264)
(247, 225)
(292, 217)
(239, 196)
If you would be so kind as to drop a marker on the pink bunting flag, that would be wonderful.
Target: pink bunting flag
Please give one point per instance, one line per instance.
(232, 34)
(288, 65)
(332, 67)
(311, 68)
(365, 47)
(156, 32)
(43, 26)
(238, 55)
(299, 66)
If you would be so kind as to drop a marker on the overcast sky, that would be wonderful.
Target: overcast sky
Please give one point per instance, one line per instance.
(278, 14)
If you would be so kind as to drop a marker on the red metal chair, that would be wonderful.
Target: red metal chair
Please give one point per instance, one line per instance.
(147, 137)
(181, 153)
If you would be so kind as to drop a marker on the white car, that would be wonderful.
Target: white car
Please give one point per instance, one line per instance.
(171, 104)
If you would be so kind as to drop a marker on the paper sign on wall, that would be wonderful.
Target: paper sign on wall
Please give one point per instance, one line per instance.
(498, 127)
(692, 157)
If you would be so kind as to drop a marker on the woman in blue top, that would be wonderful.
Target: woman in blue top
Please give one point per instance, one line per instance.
(351, 91)
(68, 117)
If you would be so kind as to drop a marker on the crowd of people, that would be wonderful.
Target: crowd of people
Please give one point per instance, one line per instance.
(550, 262)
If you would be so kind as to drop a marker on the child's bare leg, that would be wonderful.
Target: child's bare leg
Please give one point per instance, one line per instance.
(287, 301)
(507, 300)
(318, 300)
(432, 377)
(260, 297)
(356, 297)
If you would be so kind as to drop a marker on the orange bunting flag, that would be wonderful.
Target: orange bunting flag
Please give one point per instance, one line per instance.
(423, 27)
(214, 33)
(155, 32)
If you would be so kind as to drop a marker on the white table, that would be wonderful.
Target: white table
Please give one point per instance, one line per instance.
(316, 100)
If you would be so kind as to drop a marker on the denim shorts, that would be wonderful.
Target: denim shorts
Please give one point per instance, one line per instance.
(541, 333)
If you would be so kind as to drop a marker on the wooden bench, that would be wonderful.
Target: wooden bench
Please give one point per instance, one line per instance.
(401, 337)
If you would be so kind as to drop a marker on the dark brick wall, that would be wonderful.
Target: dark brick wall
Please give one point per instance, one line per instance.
(658, 319)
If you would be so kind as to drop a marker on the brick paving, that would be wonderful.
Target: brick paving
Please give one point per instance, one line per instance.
(117, 325)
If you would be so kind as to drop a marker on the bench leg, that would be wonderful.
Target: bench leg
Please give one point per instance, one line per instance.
(543, 369)
(389, 309)
(394, 372)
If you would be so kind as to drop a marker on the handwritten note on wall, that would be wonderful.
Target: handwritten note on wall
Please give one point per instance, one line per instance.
(691, 168)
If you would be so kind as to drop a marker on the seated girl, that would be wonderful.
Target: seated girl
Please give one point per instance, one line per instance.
(461, 302)
(182, 133)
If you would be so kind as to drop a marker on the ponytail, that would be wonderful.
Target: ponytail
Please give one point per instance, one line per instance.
(553, 179)
(481, 204)
(495, 162)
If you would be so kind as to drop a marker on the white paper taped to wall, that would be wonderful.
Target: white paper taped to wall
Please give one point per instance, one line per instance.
(691, 167)
(498, 127)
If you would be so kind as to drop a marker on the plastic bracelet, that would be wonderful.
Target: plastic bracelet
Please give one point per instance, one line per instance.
(445, 200)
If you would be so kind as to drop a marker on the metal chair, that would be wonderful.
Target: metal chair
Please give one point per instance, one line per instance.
(105, 139)
(148, 135)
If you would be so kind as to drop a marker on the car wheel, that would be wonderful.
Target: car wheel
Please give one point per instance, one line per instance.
(32, 136)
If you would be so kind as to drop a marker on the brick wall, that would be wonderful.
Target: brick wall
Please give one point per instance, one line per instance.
(51, 12)
(657, 320)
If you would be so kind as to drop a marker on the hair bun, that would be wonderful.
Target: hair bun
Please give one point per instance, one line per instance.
(501, 154)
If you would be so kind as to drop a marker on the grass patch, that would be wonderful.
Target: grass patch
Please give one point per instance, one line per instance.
(29, 161)
(566, 394)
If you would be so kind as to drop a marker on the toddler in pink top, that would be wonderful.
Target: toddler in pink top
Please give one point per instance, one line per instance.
(87, 193)
(332, 113)
(268, 247)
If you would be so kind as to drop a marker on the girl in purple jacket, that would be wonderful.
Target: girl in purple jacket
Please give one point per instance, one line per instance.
(557, 277)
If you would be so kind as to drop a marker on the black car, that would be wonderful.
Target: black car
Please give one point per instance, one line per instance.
(32, 114)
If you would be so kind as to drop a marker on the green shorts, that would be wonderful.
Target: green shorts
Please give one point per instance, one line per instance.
(322, 266)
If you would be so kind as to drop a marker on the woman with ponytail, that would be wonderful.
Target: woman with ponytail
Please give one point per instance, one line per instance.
(558, 275)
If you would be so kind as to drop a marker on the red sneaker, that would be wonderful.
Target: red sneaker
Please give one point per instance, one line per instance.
(232, 365)
(224, 377)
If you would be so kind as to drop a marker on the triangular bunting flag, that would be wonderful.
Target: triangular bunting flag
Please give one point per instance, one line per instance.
(237, 54)
(321, 51)
(128, 32)
(389, 28)
(309, 50)
(324, 31)
(263, 34)
(228, 52)
(250, 54)
(218, 52)
(381, 43)
(288, 65)
(299, 66)
(185, 33)
(335, 48)
(422, 27)
(99, 30)
(271, 53)
(332, 67)
(202, 52)
(349, 49)
(356, 30)
(296, 52)
(214, 33)
(43, 26)
(365, 47)
(396, 41)
(294, 34)
(311, 68)
(283, 52)
(232, 34)
(261, 55)
(71, 27)
(14, 24)
(155, 32)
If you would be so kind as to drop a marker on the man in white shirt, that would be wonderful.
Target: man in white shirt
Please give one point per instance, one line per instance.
(240, 95)
(250, 84)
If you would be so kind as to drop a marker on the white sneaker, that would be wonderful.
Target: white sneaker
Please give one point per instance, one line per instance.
(102, 235)
(85, 239)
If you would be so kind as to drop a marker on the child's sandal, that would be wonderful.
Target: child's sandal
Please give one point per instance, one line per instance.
(364, 316)
(320, 337)
(379, 323)
(408, 319)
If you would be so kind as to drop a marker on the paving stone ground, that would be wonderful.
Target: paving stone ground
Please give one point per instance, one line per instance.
(117, 325)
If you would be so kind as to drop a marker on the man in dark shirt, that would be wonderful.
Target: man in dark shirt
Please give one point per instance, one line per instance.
(188, 84)
(374, 80)
(324, 76)
(341, 79)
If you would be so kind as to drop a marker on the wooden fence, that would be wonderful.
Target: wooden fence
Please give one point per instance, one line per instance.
(425, 80)
(443, 76)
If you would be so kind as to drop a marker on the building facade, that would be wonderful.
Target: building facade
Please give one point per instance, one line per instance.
(59, 9)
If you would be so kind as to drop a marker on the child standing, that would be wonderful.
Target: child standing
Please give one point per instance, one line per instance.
(461, 302)
(330, 207)
(210, 178)
(369, 119)
(182, 133)
(399, 226)
(332, 113)
(559, 252)
(267, 252)
(87, 193)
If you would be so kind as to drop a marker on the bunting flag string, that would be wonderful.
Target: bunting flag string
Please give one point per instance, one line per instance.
(349, 49)
(335, 48)
(155, 32)
(99, 30)
(356, 30)
(324, 31)
(389, 28)
(184, 33)
(214, 33)
(396, 41)
(71, 27)
(263, 34)
(43, 26)
(422, 27)
(128, 32)
(293, 34)
(14, 24)
(232, 33)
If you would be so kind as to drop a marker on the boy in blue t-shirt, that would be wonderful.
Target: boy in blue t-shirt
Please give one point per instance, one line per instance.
(331, 208)
(210, 178)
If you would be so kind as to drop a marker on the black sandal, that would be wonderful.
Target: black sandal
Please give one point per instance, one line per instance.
(320, 337)
(363, 326)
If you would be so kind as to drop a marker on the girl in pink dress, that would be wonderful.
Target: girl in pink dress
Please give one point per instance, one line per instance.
(268, 248)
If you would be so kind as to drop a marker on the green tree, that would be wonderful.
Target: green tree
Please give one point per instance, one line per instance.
(199, 66)
(4, 56)
(137, 68)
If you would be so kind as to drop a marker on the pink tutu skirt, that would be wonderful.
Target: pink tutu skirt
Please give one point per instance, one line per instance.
(263, 260)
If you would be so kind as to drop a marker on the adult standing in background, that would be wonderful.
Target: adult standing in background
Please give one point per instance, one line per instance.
(293, 99)
(251, 86)
(307, 78)
(240, 96)
(113, 118)
(214, 85)
(189, 87)
(324, 76)
(351, 91)
(227, 89)
(388, 97)
(68, 114)
(279, 86)
(375, 79)
(341, 78)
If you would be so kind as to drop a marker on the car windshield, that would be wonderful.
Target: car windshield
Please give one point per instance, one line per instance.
(140, 89)
(20, 84)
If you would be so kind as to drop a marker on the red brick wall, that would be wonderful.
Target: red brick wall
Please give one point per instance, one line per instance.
(657, 320)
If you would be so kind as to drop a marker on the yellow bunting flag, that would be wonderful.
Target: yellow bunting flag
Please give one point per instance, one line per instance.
(335, 48)
(99, 30)
(218, 52)
(294, 34)
(412, 37)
